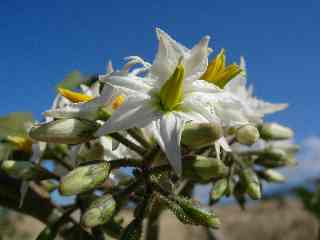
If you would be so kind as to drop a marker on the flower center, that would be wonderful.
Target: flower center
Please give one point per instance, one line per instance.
(171, 93)
(218, 73)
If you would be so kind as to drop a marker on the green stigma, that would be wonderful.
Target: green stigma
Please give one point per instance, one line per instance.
(171, 93)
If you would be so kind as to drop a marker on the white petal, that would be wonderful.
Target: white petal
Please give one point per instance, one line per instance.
(166, 60)
(266, 107)
(195, 105)
(109, 67)
(167, 131)
(197, 61)
(231, 113)
(135, 112)
(129, 83)
(201, 86)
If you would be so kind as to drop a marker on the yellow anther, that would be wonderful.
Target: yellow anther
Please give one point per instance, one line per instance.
(117, 102)
(74, 97)
(24, 144)
(217, 71)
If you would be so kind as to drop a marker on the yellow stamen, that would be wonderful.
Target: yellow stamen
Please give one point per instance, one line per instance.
(74, 97)
(117, 102)
(21, 143)
(218, 73)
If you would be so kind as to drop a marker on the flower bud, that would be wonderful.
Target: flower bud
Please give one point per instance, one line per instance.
(239, 194)
(84, 178)
(219, 189)
(133, 231)
(251, 182)
(247, 134)
(203, 168)
(25, 170)
(199, 215)
(99, 212)
(68, 131)
(197, 135)
(275, 157)
(271, 175)
(275, 131)
(177, 210)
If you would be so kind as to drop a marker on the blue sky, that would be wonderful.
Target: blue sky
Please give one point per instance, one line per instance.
(41, 41)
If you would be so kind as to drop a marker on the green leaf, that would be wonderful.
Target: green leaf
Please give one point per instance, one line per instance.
(15, 124)
(71, 81)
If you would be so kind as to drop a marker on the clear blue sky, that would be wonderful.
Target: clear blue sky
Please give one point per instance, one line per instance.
(41, 41)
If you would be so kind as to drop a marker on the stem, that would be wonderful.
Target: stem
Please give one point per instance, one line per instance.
(138, 137)
(128, 143)
(122, 195)
(150, 156)
(152, 228)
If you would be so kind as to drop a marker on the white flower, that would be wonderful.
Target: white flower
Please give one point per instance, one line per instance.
(254, 108)
(69, 104)
(167, 96)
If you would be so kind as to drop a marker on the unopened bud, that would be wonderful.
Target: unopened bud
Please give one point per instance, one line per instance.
(203, 168)
(275, 157)
(239, 194)
(177, 210)
(84, 178)
(247, 134)
(99, 212)
(199, 215)
(25, 170)
(68, 131)
(219, 189)
(251, 182)
(271, 175)
(133, 231)
(197, 135)
(275, 131)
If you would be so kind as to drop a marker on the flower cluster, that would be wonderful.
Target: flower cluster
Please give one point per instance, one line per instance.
(179, 120)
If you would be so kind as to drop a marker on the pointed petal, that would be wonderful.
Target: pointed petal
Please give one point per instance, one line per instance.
(109, 67)
(239, 82)
(135, 112)
(129, 84)
(197, 61)
(169, 52)
(266, 108)
(167, 131)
